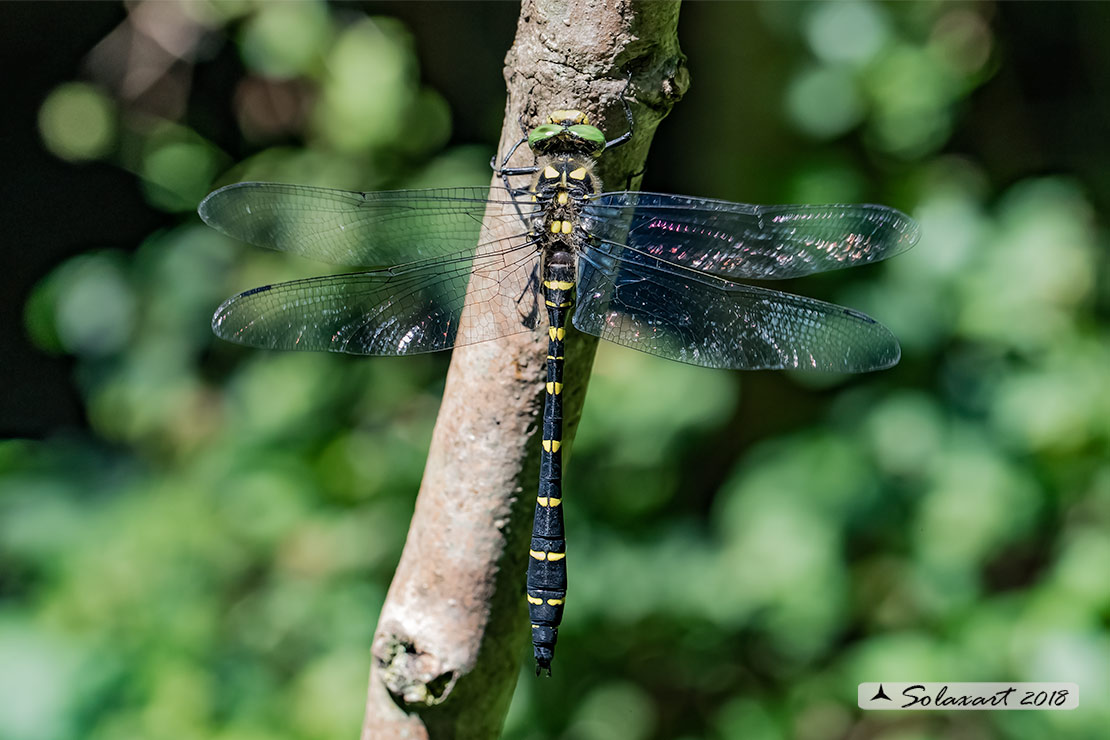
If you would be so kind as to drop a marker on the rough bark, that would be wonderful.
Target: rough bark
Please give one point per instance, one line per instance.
(454, 628)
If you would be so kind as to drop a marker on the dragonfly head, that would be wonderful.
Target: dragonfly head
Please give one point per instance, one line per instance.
(567, 132)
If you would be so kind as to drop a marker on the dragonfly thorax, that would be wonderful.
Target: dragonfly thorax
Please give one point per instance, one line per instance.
(562, 187)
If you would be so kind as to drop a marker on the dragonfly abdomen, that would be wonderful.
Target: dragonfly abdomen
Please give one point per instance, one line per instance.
(547, 569)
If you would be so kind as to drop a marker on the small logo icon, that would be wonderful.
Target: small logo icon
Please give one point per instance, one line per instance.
(880, 694)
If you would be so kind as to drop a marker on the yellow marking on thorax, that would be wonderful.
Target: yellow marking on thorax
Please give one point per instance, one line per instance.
(562, 198)
(550, 173)
(578, 174)
(571, 115)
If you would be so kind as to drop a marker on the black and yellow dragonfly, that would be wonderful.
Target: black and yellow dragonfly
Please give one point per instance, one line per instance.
(654, 272)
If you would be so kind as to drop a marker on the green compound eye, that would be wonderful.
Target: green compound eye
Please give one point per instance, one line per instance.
(590, 134)
(580, 137)
(542, 133)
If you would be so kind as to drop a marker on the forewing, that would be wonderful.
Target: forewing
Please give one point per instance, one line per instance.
(702, 320)
(400, 311)
(360, 229)
(741, 241)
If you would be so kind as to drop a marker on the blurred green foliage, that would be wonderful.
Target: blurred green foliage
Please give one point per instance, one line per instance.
(208, 560)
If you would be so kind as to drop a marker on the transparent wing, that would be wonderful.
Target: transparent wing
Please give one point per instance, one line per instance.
(360, 229)
(646, 304)
(736, 240)
(406, 310)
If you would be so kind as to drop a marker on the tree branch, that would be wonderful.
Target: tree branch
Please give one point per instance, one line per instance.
(454, 627)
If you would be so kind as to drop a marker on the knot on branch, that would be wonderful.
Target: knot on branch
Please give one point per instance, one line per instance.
(413, 678)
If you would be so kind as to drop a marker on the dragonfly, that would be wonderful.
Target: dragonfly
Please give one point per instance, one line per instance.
(659, 273)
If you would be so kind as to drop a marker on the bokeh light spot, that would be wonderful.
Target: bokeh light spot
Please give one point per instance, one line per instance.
(77, 122)
(286, 39)
(962, 40)
(178, 167)
(93, 306)
(845, 31)
(371, 82)
(823, 102)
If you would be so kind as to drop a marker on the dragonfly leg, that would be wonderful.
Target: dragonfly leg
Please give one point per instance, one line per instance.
(505, 160)
(627, 115)
(513, 171)
(506, 172)
(517, 171)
